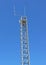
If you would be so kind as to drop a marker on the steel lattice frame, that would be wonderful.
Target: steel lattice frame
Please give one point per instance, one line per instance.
(25, 58)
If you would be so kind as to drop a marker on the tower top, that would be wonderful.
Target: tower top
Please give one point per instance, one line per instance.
(23, 19)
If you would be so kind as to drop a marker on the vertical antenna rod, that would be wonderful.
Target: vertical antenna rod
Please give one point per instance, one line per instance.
(25, 58)
(14, 11)
(24, 11)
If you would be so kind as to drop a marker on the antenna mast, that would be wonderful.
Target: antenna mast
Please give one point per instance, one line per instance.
(25, 57)
(24, 11)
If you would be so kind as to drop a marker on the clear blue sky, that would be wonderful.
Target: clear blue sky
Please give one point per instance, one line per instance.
(10, 31)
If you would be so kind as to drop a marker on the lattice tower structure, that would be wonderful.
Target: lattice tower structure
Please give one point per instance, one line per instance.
(24, 45)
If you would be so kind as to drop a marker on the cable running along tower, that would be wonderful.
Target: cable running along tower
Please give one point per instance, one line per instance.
(25, 58)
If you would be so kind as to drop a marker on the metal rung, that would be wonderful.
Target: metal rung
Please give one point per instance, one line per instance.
(25, 51)
(25, 46)
(25, 57)
(26, 62)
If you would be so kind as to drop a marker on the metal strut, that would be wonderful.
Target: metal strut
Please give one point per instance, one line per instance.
(24, 42)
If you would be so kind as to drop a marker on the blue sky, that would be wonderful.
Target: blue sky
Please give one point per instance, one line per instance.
(10, 31)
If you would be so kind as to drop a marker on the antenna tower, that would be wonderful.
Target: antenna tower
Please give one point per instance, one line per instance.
(25, 57)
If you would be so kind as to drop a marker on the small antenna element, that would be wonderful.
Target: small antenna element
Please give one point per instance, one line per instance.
(14, 11)
(24, 11)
